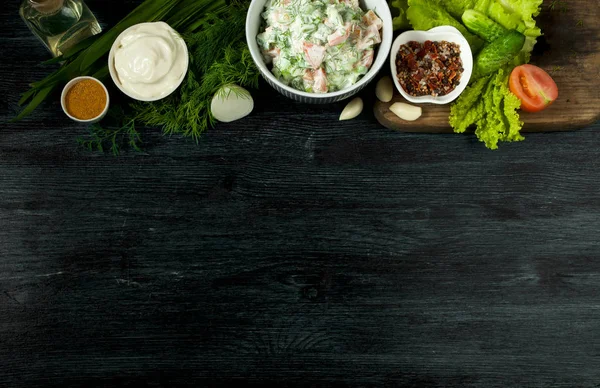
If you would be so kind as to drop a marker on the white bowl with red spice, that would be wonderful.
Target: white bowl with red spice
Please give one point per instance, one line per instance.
(415, 77)
(85, 100)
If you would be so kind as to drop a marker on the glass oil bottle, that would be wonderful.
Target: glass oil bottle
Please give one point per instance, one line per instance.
(59, 24)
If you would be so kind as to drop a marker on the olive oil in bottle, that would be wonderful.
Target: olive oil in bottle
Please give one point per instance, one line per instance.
(59, 24)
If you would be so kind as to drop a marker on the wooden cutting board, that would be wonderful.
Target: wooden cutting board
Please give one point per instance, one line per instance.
(569, 51)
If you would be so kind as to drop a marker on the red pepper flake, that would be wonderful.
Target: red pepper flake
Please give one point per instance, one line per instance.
(429, 68)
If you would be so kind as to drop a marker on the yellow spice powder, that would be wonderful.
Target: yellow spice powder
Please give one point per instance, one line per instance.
(86, 100)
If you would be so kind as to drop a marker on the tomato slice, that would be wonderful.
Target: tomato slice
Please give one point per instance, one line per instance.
(534, 87)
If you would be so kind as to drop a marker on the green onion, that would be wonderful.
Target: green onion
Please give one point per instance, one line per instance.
(40, 96)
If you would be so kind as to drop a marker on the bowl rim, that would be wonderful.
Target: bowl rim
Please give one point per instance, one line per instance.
(113, 71)
(451, 34)
(68, 87)
(382, 52)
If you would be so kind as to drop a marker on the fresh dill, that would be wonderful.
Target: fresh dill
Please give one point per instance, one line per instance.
(558, 5)
(115, 133)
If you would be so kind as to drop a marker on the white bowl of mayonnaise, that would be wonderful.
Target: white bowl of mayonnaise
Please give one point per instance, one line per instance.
(148, 61)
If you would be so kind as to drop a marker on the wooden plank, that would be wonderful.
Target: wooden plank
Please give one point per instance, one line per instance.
(569, 51)
(291, 250)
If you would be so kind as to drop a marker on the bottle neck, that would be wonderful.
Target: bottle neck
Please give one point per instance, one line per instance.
(46, 6)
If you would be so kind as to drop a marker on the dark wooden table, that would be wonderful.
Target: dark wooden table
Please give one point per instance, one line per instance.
(293, 249)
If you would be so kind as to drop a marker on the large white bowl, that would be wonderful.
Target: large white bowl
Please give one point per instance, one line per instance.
(449, 34)
(253, 23)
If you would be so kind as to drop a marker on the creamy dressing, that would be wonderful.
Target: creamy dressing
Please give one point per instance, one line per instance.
(150, 60)
(319, 46)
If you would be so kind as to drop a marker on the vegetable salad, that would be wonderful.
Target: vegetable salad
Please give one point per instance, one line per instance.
(319, 46)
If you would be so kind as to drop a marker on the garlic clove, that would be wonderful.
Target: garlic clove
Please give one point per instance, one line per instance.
(406, 112)
(384, 90)
(353, 109)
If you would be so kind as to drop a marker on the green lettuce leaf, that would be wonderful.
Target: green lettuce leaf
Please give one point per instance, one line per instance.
(457, 7)
(426, 14)
(489, 105)
(465, 111)
(511, 116)
(398, 8)
(482, 5)
(454, 7)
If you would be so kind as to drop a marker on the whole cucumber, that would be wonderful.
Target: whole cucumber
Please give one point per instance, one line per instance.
(482, 26)
(498, 53)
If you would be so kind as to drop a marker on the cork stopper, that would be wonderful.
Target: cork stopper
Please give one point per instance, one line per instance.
(46, 6)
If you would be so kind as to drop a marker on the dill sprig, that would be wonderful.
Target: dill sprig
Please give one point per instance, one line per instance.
(117, 131)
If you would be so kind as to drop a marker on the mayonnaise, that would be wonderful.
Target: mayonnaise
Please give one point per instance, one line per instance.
(150, 61)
